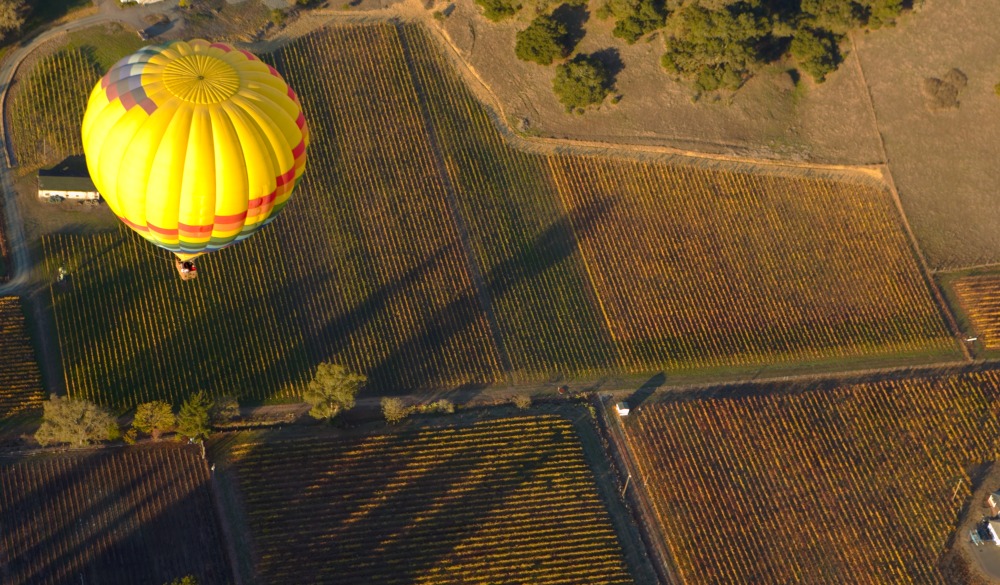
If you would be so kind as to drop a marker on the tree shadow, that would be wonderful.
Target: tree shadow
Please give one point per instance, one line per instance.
(573, 17)
(646, 390)
(552, 246)
(395, 516)
(611, 59)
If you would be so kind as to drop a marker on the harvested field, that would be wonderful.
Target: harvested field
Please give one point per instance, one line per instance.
(865, 480)
(508, 500)
(20, 379)
(127, 515)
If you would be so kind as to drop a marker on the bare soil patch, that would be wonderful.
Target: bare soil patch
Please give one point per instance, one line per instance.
(771, 117)
(943, 160)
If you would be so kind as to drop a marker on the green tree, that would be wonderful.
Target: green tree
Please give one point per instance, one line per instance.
(497, 10)
(817, 53)
(153, 418)
(714, 49)
(332, 389)
(394, 410)
(581, 82)
(75, 421)
(185, 580)
(11, 16)
(636, 18)
(543, 41)
(194, 419)
(226, 408)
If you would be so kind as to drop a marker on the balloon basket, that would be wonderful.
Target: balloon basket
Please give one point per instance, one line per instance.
(187, 270)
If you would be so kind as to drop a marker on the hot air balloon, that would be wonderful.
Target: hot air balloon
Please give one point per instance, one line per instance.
(194, 145)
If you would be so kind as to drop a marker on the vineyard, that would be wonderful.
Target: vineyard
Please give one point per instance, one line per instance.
(980, 298)
(509, 500)
(425, 252)
(787, 268)
(865, 480)
(45, 113)
(20, 379)
(46, 106)
(133, 515)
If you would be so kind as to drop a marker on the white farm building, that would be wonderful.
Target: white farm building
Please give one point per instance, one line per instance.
(57, 184)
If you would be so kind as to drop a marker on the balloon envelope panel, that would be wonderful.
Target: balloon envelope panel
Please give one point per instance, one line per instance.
(194, 145)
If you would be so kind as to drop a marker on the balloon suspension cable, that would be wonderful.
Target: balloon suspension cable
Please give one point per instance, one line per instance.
(144, 246)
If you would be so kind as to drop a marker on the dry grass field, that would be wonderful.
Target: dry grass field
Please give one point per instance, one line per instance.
(811, 486)
(944, 162)
(771, 117)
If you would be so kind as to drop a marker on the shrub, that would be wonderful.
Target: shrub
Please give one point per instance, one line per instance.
(497, 10)
(543, 41)
(394, 410)
(521, 401)
(996, 89)
(278, 16)
(226, 409)
(581, 82)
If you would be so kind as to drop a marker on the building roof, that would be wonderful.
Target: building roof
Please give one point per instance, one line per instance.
(65, 183)
(69, 175)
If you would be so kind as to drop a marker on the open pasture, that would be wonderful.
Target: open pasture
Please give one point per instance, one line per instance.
(865, 480)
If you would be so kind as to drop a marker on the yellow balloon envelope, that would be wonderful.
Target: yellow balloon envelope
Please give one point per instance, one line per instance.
(194, 145)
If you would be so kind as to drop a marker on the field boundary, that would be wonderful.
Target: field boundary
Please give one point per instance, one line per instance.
(638, 500)
(471, 264)
(886, 172)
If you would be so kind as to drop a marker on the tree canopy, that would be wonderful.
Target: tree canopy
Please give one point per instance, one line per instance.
(194, 419)
(635, 18)
(75, 421)
(714, 49)
(11, 15)
(717, 44)
(332, 389)
(154, 418)
(544, 41)
(497, 10)
(582, 81)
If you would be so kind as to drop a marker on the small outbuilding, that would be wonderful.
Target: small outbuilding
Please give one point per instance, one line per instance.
(622, 408)
(994, 503)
